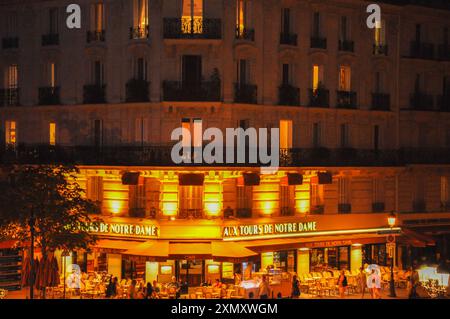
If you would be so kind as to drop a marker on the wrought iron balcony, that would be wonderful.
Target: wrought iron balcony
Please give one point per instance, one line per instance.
(50, 39)
(49, 96)
(9, 97)
(421, 102)
(160, 155)
(380, 49)
(95, 36)
(245, 93)
(381, 102)
(94, 94)
(137, 90)
(346, 45)
(421, 50)
(318, 43)
(288, 38)
(139, 32)
(10, 43)
(179, 91)
(288, 95)
(378, 207)
(192, 28)
(346, 100)
(443, 102)
(444, 52)
(319, 97)
(344, 208)
(245, 34)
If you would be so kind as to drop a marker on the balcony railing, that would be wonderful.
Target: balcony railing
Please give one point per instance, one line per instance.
(378, 207)
(49, 96)
(288, 95)
(344, 208)
(137, 90)
(9, 97)
(380, 49)
(245, 93)
(50, 39)
(179, 91)
(381, 102)
(421, 50)
(421, 101)
(245, 34)
(160, 155)
(346, 45)
(94, 94)
(10, 43)
(318, 43)
(192, 28)
(419, 206)
(443, 102)
(319, 97)
(444, 52)
(346, 100)
(141, 32)
(95, 36)
(288, 38)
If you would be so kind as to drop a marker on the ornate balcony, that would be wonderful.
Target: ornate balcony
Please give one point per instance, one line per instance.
(50, 39)
(288, 38)
(245, 93)
(444, 52)
(245, 34)
(10, 43)
(318, 43)
(288, 95)
(95, 36)
(49, 96)
(346, 100)
(346, 45)
(137, 90)
(192, 28)
(421, 102)
(9, 97)
(319, 97)
(381, 102)
(380, 49)
(139, 32)
(94, 94)
(421, 50)
(179, 91)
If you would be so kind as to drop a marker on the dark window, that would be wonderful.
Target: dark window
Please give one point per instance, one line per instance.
(285, 20)
(343, 28)
(98, 133)
(285, 79)
(192, 70)
(53, 20)
(376, 137)
(418, 32)
(316, 134)
(316, 24)
(242, 72)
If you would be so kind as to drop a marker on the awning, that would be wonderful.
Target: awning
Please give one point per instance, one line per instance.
(190, 249)
(110, 244)
(416, 239)
(152, 249)
(229, 251)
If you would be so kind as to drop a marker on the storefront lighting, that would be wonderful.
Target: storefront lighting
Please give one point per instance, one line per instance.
(392, 219)
(172, 218)
(115, 206)
(356, 245)
(304, 249)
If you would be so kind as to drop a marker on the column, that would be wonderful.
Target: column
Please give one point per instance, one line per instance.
(302, 261)
(355, 258)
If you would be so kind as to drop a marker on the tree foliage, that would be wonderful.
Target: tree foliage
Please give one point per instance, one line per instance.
(52, 195)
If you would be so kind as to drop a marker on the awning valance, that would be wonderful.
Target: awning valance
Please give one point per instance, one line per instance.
(416, 239)
(229, 251)
(157, 249)
(110, 244)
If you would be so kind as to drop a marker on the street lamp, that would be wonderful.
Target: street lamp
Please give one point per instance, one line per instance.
(392, 219)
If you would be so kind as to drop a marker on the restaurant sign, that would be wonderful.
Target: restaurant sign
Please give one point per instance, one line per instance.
(125, 229)
(270, 230)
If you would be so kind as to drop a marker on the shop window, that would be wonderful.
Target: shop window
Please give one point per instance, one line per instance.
(11, 133)
(344, 258)
(287, 200)
(52, 133)
(284, 260)
(345, 78)
(94, 189)
(190, 201)
(244, 199)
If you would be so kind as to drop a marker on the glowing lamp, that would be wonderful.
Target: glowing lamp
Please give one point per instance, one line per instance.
(392, 219)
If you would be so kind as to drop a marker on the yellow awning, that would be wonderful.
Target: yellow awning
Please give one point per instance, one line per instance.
(230, 250)
(116, 244)
(151, 248)
(190, 249)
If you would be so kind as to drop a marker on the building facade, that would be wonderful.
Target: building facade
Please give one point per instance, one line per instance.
(364, 119)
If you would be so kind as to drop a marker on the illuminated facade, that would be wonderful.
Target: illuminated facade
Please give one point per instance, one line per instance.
(363, 118)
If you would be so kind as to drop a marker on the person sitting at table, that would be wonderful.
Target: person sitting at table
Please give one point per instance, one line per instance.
(217, 284)
(175, 284)
(111, 289)
(132, 290)
(156, 287)
(206, 283)
(149, 292)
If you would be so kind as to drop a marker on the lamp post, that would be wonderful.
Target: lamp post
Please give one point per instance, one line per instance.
(392, 219)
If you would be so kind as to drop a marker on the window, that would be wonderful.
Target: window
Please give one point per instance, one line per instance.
(380, 33)
(344, 136)
(140, 14)
(137, 200)
(53, 21)
(285, 134)
(94, 188)
(445, 36)
(52, 133)
(344, 190)
(445, 203)
(11, 22)
(344, 78)
(141, 131)
(317, 78)
(97, 73)
(316, 195)
(418, 32)
(286, 20)
(419, 194)
(244, 199)
(343, 34)
(286, 75)
(447, 137)
(376, 137)
(98, 133)
(11, 77)
(243, 18)
(243, 72)
(378, 192)
(50, 75)
(316, 25)
(97, 17)
(191, 201)
(11, 133)
(140, 69)
(316, 135)
(287, 199)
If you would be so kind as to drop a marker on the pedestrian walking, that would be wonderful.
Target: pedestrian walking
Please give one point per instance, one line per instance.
(295, 294)
(342, 284)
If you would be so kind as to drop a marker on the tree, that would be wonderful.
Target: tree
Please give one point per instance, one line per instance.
(45, 205)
